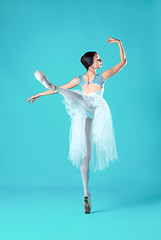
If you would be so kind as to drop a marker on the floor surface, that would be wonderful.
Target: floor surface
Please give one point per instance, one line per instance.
(50, 213)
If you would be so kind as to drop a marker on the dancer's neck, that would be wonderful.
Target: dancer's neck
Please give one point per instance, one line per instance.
(91, 71)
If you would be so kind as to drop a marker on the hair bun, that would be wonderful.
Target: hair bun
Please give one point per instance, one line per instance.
(87, 59)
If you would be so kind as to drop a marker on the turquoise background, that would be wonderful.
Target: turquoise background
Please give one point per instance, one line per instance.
(34, 171)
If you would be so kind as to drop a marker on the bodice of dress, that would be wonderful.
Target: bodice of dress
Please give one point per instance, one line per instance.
(98, 79)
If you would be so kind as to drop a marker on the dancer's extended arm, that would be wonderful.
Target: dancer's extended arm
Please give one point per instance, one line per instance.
(112, 71)
(36, 96)
(46, 83)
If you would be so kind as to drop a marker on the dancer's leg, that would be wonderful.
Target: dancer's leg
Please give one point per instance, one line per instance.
(41, 77)
(86, 159)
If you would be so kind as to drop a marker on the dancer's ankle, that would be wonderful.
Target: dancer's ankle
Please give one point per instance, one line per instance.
(86, 193)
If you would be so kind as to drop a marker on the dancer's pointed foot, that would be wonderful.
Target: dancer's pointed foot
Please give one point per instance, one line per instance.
(87, 204)
(41, 77)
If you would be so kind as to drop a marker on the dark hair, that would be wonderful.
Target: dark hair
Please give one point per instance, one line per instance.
(87, 59)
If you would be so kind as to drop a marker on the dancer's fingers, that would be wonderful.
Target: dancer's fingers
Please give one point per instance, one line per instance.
(34, 100)
(111, 37)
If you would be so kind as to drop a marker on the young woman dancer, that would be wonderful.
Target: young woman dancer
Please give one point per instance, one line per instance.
(91, 134)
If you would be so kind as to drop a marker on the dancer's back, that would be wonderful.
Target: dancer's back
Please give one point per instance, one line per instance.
(91, 86)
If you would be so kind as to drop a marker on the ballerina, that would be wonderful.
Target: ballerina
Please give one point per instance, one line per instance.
(91, 135)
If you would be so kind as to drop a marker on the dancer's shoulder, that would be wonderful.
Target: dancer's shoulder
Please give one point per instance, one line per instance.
(80, 77)
(101, 77)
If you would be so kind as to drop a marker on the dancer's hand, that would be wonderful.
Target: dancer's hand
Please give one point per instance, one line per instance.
(113, 40)
(34, 98)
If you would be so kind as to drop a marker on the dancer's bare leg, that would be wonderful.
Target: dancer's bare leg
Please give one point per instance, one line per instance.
(86, 159)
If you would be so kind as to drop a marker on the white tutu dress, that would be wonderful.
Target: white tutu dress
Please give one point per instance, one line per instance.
(79, 106)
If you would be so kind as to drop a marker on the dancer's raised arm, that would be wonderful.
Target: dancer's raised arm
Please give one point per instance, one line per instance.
(112, 71)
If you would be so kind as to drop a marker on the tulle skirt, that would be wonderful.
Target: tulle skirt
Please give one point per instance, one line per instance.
(79, 106)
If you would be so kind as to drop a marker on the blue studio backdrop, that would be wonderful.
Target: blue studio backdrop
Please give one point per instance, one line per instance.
(40, 190)
(43, 35)
(51, 36)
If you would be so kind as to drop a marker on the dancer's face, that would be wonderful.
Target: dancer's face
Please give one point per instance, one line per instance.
(97, 61)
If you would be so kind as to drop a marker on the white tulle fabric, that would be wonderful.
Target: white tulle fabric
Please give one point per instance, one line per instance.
(103, 137)
(79, 106)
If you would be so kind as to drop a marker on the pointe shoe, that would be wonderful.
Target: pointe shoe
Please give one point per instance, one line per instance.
(42, 78)
(87, 204)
